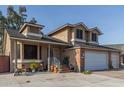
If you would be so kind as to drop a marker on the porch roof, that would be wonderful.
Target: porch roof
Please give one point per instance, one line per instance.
(44, 38)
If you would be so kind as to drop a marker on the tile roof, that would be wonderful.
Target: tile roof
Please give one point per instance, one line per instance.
(66, 25)
(16, 34)
(45, 38)
(93, 46)
(74, 25)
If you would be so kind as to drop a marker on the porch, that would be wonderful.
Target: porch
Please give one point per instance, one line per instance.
(26, 52)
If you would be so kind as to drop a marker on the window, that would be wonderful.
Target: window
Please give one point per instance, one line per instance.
(18, 51)
(79, 34)
(30, 51)
(94, 37)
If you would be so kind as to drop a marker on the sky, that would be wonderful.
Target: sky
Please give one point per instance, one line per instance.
(109, 19)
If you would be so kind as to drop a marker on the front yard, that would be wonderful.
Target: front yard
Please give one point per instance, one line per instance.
(45, 79)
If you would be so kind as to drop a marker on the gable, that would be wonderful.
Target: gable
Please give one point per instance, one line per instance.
(80, 27)
(96, 30)
(62, 34)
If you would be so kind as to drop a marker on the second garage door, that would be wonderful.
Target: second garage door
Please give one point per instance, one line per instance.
(115, 60)
(96, 60)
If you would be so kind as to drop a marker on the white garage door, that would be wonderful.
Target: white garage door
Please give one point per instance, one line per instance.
(96, 60)
(115, 60)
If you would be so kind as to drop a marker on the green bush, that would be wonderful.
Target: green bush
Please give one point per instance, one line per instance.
(33, 65)
(66, 61)
(87, 72)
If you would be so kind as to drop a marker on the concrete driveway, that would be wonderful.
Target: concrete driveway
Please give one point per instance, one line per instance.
(60, 80)
(114, 74)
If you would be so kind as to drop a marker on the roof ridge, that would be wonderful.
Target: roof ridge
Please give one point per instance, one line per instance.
(66, 24)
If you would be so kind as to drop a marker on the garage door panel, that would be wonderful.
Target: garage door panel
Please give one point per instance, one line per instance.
(96, 60)
(115, 60)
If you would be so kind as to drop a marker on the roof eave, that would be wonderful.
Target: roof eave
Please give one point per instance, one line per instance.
(40, 41)
(94, 48)
(66, 25)
(97, 29)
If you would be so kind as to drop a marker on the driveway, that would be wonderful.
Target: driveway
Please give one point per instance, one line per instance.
(60, 80)
(114, 74)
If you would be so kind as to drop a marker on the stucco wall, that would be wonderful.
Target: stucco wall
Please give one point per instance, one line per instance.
(25, 30)
(7, 45)
(44, 53)
(11, 55)
(31, 29)
(62, 35)
(71, 54)
(34, 30)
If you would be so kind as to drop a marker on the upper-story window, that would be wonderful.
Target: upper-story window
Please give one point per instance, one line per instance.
(94, 37)
(79, 34)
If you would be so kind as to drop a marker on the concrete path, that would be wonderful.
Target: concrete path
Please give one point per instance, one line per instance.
(59, 80)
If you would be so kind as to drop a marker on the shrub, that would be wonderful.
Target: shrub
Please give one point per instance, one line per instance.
(66, 61)
(87, 72)
(33, 65)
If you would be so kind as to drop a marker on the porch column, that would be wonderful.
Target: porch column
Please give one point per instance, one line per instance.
(61, 55)
(21, 53)
(109, 60)
(38, 52)
(15, 56)
(120, 59)
(78, 59)
(49, 58)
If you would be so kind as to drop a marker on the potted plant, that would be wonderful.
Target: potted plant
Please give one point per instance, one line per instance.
(66, 61)
(52, 68)
(33, 66)
(55, 69)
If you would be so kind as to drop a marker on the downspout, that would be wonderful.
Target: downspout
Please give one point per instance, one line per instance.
(49, 58)
(15, 56)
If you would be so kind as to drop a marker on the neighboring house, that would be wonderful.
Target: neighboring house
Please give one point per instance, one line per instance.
(75, 41)
(120, 47)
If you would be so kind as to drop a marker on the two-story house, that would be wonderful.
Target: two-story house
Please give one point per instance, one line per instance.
(75, 41)
(85, 51)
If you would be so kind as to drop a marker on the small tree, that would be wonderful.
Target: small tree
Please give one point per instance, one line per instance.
(3, 23)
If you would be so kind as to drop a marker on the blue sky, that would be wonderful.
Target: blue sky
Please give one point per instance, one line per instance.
(110, 19)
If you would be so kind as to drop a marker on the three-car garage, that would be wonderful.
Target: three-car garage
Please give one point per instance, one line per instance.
(98, 60)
